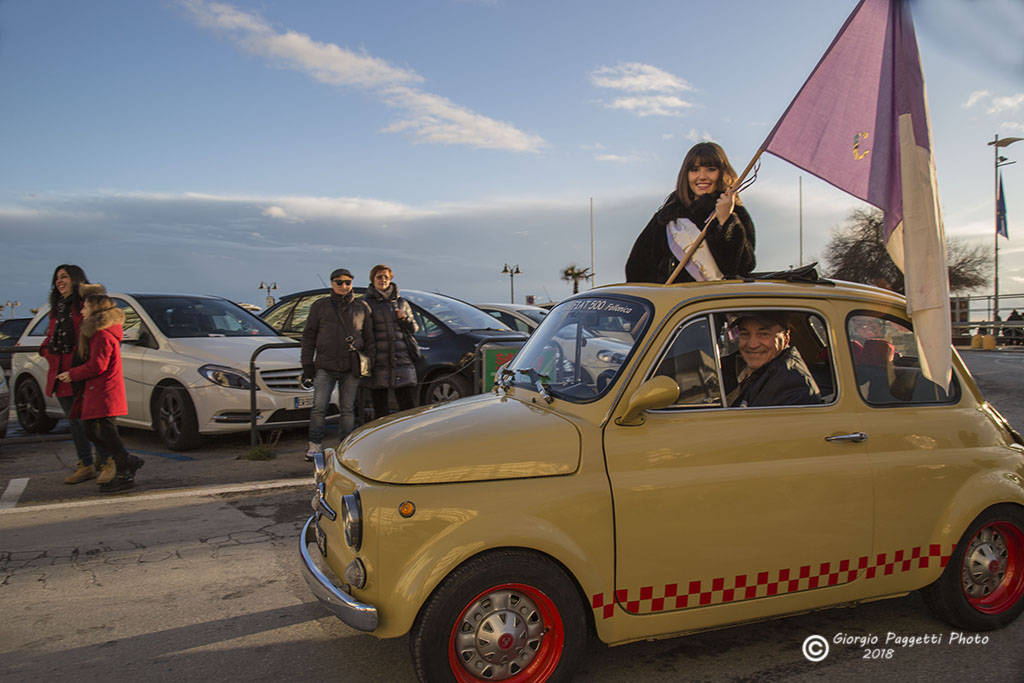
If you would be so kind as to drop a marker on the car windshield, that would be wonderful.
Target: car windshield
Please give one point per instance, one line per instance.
(181, 316)
(581, 347)
(457, 315)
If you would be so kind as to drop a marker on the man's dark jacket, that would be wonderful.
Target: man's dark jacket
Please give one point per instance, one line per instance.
(784, 380)
(332, 319)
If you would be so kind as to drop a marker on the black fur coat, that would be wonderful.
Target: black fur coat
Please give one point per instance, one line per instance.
(732, 245)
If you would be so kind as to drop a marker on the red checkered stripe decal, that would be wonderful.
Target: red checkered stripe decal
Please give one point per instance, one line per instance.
(766, 583)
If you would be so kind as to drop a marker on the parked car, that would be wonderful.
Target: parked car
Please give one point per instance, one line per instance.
(450, 333)
(522, 317)
(5, 405)
(502, 530)
(10, 331)
(186, 368)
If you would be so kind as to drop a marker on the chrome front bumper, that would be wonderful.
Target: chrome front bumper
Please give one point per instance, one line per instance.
(356, 614)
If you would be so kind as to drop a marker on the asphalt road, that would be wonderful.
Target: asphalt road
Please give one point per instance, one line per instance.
(194, 577)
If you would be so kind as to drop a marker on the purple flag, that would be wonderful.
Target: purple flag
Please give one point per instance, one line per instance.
(860, 122)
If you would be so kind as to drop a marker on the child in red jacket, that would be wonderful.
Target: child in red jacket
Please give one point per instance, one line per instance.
(103, 398)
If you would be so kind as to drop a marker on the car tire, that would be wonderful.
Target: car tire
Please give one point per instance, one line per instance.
(982, 587)
(446, 388)
(174, 419)
(507, 615)
(30, 405)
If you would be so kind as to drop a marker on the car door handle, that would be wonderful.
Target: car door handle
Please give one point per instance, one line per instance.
(856, 437)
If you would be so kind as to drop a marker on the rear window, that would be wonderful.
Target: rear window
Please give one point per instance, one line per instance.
(183, 317)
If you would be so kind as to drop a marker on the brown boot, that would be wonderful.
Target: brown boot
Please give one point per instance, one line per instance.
(107, 471)
(83, 473)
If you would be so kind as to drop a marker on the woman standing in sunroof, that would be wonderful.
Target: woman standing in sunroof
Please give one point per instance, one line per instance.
(702, 189)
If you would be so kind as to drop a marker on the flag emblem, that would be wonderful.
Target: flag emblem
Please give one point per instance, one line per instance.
(857, 154)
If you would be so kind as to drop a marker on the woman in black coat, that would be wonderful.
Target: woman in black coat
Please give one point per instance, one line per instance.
(701, 190)
(394, 363)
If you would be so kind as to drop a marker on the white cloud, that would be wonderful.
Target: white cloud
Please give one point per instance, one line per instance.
(1012, 125)
(275, 212)
(694, 135)
(975, 97)
(437, 119)
(651, 105)
(1007, 103)
(652, 90)
(429, 117)
(637, 77)
(620, 158)
(994, 104)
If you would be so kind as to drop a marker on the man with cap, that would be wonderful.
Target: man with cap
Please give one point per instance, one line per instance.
(337, 330)
(769, 371)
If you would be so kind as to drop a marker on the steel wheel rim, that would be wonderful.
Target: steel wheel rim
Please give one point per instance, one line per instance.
(992, 575)
(445, 391)
(171, 415)
(510, 632)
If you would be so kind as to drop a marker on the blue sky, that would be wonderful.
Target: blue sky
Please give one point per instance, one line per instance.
(204, 147)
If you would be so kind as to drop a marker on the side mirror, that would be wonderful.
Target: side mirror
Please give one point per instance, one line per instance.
(657, 392)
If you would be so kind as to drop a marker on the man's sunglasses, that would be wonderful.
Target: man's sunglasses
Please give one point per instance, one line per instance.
(342, 282)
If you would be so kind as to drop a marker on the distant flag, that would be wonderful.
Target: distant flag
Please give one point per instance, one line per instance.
(1001, 228)
(860, 122)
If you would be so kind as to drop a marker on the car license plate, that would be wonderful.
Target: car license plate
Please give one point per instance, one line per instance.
(304, 401)
(321, 539)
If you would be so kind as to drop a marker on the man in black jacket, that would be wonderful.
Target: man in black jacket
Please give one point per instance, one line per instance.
(337, 330)
(772, 372)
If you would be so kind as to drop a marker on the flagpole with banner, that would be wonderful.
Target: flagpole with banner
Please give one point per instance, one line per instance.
(860, 123)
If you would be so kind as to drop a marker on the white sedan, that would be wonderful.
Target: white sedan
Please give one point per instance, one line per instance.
(186, 369)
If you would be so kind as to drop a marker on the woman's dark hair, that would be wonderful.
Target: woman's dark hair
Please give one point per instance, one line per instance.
(77, 276)
(703, 154)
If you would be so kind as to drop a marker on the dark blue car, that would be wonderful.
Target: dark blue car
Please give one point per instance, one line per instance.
(458, 342)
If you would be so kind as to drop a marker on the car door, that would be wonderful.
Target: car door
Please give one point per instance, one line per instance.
(727, 507)
(137, 385)
(917, 431)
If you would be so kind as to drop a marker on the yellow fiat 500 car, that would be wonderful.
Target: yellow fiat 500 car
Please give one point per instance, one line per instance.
(748, 450)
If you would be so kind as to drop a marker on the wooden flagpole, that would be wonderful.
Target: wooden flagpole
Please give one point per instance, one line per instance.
(707, 224)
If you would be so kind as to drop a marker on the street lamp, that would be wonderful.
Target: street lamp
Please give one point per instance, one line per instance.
(269, 286)
(999, 161)
(12, 305)
(512, 272)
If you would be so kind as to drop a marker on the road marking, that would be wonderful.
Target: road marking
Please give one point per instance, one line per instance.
(199, 491)
(13, 492)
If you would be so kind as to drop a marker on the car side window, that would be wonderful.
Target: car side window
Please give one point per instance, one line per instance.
(428, 326)
(302, 306)
(884, 353)
(133, 324)
(791, 365)
(40, 328)
(690, 361)
(279, 316)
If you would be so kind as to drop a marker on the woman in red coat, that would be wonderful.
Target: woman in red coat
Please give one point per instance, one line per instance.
(103, 397)
(58, 349)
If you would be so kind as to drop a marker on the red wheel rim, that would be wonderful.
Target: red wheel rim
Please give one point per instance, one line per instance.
(992, 575)
(546, 618)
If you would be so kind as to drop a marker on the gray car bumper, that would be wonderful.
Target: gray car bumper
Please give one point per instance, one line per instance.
(356, 614)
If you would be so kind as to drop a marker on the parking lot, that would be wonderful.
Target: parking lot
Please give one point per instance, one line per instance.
(44, 461)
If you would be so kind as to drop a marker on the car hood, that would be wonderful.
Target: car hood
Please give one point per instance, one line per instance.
(235, 352)
(459, 442)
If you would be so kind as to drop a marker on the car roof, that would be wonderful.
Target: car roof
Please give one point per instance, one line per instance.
(671, 295)
(512, 307)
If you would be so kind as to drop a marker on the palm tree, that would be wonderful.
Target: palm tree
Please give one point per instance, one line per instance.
(573, 274)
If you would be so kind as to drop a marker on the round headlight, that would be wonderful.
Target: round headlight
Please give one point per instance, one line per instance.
(352, 520)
